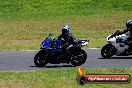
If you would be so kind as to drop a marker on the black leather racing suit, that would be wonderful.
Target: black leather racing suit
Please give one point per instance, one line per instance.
(129, 40)
(68, 38)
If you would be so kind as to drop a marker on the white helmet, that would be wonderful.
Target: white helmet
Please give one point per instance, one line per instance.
(66, 29)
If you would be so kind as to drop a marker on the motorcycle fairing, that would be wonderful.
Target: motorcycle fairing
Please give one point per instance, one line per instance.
(120, 47)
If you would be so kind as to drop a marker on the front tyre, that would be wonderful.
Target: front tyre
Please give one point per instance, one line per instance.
(40, 59)
(108, 51)
(79, 57)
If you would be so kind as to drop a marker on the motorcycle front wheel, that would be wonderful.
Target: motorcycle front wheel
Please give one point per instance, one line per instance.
(108, 51)
(40, 59)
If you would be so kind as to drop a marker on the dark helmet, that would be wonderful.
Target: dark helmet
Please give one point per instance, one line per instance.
(66, 29)
(129, 24)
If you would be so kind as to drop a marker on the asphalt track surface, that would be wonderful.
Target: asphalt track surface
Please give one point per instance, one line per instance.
(23, 60)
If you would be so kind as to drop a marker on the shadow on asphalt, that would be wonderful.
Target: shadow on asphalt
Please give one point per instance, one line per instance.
(117, 57)
(55, 66)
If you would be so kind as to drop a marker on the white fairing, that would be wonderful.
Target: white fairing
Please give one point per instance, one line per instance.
(111, 40)
(119, 46)
(84, 43)
(124, 37)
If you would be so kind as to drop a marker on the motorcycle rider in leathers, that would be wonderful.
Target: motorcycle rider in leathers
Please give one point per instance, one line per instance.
(67, 37)
(128, 30)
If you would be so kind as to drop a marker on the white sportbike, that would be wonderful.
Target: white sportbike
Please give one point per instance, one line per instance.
(116, 45)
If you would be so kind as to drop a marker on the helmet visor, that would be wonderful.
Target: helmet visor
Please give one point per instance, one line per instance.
(64, 31)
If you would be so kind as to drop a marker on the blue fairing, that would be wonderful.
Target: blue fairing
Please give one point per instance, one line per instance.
(57, 51)
(59, 42)
(48, 44)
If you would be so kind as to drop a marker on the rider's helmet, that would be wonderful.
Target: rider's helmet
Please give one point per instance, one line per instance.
(66, 29)
(129, 24)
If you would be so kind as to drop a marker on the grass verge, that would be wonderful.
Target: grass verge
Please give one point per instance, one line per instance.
(24, 24)
(21, 35)
(56, 78)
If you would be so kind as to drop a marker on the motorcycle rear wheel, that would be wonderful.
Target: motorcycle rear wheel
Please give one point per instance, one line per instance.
(79, 57)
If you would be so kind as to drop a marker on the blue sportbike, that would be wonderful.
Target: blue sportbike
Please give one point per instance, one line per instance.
(51, 52)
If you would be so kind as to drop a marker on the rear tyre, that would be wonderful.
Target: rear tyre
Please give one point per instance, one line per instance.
(40, 59)
(79, 57)
(108, 51)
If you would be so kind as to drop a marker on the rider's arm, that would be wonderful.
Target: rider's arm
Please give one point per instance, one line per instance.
(68, 41)
(74, 40)
(124, 31)
(59, 37)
